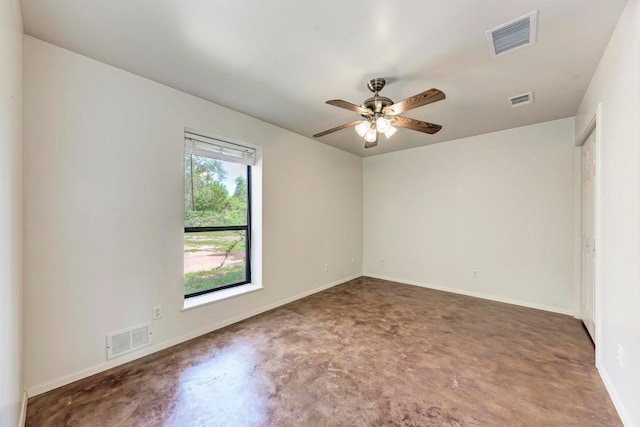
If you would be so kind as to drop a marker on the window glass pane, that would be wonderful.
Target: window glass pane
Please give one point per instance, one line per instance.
(217, 196)
(213, 259)
(216, 192)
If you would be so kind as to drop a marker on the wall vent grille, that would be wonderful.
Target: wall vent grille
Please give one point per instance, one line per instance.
(128, 340)
(518, 100)
(513, 35)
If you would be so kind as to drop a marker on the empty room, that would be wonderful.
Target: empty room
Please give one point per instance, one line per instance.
(231, 213)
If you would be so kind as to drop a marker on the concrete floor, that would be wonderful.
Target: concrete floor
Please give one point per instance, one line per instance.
(365, 353)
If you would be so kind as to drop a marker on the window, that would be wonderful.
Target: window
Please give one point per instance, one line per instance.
(217, 214)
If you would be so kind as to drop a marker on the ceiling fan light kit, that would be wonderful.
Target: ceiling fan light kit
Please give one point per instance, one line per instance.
(380, 114)
(363, 127)
(382, 124)
(390, 131)
(371, 135)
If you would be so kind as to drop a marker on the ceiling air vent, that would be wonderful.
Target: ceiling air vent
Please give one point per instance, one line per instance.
(518, 100)
(513, 35)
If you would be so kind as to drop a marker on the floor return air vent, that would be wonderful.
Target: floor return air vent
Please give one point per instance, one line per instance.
(128, 340)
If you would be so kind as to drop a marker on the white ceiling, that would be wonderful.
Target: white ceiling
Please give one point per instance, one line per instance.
(280, 60)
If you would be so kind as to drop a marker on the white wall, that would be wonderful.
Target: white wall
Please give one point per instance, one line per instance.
(501, 203)
(11, 60)
(615, 85)
(103, 195)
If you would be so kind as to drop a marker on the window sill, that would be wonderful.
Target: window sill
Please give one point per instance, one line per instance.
(212, 297)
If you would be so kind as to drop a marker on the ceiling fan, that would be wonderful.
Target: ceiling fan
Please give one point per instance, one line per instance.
(380, 114)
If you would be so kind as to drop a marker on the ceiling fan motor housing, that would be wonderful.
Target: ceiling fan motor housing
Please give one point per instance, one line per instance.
(376, 104)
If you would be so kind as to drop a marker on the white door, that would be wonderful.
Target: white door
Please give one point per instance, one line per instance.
(587, 309)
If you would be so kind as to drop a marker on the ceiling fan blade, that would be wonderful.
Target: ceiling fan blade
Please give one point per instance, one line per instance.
(337, 128)
(424, 98)
(413, 124)
(349, 106)
(371, 144)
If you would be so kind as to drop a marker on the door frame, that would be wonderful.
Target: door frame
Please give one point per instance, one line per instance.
(594, 126)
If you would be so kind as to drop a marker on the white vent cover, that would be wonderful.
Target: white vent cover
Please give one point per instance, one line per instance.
(513, 35)
(122, 342)
(518, 100)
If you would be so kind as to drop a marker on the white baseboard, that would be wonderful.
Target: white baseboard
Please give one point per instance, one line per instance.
(527, 304)
(43, 388)
(622, 412)
(23, 410)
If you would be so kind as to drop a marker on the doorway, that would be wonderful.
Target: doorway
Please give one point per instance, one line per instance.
(588, 242)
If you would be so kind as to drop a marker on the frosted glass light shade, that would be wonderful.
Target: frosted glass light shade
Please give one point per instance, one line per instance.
(390, 131)
(382, 124)
(371, 134)
(363, 127)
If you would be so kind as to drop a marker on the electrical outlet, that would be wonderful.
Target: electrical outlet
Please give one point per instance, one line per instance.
(353, 260)
(619, 354)
(474, 273)
(382, 261)
(326, 267)
(157, 312)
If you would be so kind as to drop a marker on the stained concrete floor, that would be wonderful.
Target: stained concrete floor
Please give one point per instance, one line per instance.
(365, 353)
